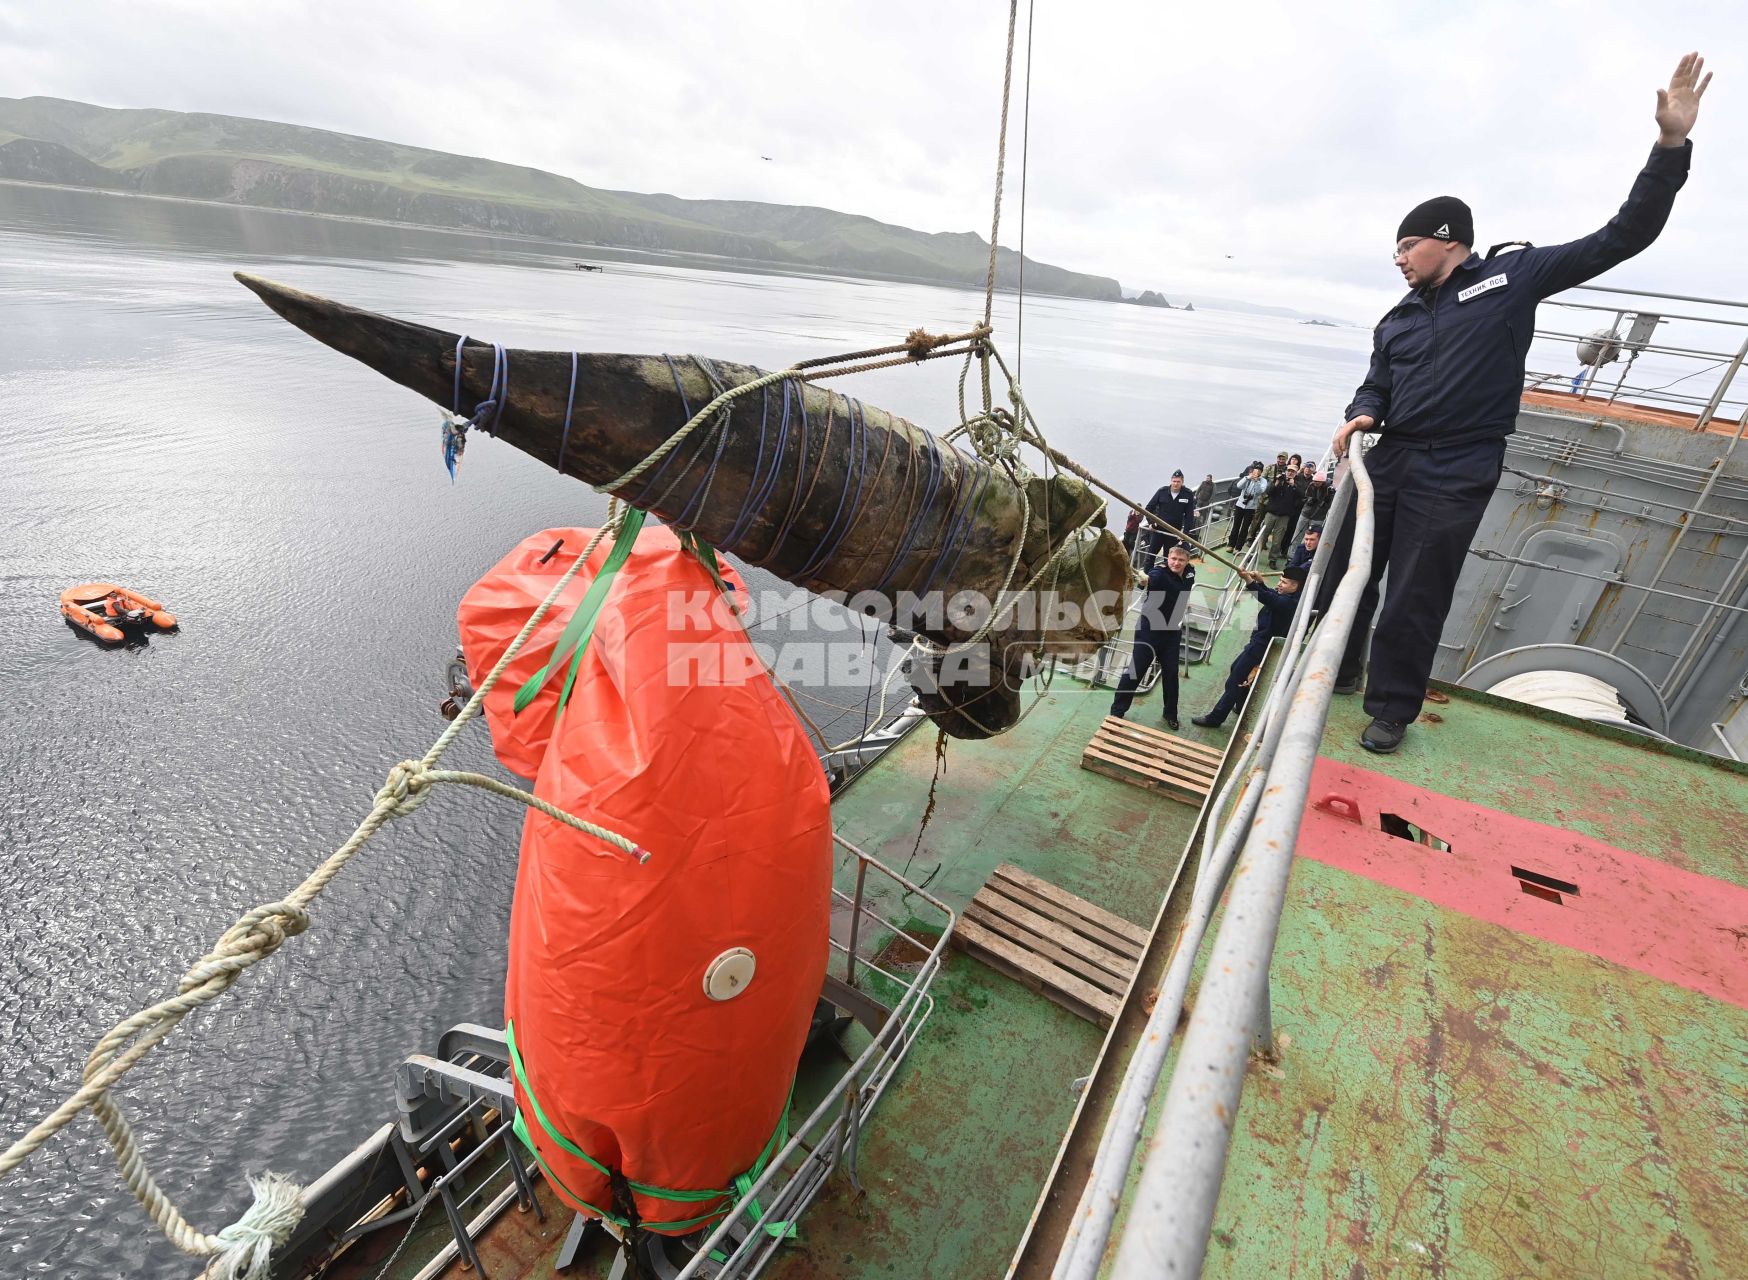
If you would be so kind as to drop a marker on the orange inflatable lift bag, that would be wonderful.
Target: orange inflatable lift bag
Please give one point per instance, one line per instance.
(656, 1011)
(492, 614)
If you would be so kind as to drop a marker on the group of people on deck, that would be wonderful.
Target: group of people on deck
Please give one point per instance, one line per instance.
(1281, 500)
(1159, 630)
(1298, 496)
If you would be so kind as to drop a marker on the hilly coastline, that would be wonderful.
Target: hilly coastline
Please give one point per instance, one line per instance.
(281, 166)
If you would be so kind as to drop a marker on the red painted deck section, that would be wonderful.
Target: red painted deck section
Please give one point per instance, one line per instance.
(1686, 929)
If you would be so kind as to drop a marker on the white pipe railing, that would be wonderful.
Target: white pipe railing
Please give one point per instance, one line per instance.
(1271, 782)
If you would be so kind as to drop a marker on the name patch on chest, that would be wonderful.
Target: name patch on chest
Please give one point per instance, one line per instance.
(1491, 282)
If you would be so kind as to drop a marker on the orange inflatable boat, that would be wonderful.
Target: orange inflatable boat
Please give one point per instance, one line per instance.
(109, 612)
(657, 1010)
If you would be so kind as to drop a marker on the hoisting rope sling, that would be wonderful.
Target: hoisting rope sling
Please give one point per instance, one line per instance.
(243, 1250)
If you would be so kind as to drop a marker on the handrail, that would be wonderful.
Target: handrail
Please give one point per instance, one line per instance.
(1168, 1227)
(1626, 308)
(1294, 713)
(1649, 293)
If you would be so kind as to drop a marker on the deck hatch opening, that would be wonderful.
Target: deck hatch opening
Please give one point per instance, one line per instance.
(1402, 829)
(1547, 888)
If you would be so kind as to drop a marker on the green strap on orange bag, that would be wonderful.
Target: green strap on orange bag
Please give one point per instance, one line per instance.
(578, 631)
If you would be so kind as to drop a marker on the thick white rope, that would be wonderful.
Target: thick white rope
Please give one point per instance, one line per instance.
(242, 1250)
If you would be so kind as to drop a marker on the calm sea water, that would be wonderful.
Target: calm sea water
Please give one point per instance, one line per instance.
(161, 429)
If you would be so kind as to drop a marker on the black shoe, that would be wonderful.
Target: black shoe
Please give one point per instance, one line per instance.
(1383, 736)
(1208, 721)
(1172, 724)
(1347, 684)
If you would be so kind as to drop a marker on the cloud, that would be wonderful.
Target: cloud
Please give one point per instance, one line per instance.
(1161, 139)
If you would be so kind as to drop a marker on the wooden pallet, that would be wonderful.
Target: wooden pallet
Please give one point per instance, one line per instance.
(1070, 951)
(1153, 759)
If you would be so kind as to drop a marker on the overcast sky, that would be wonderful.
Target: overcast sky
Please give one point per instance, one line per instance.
(1255, 151)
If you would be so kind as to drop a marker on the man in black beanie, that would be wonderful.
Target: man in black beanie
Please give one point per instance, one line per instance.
(1442, 391)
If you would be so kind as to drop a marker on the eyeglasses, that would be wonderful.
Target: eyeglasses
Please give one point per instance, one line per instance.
(1403, 249)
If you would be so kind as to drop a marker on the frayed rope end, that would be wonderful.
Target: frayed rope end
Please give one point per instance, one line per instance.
(264, 1226)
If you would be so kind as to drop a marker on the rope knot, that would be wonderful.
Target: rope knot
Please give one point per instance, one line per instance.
(992, 438)
(919, 342)
(257, 934)
(408, 786)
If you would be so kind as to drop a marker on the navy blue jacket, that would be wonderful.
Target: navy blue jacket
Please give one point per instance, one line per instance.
(1167, 598)
(1275, 618)
(1447, 362)
(1177, 509)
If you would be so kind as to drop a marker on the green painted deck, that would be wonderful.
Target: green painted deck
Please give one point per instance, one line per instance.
(963, 1141)
(1459, 1099)
(1452, 1098)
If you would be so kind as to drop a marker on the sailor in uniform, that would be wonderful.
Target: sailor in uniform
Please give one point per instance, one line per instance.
(1273, 620)
(1443, 390)
(1175, 505)
(1159, 632)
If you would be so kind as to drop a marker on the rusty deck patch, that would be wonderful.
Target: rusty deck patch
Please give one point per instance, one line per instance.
(1455, 1099)
(1459, 1099)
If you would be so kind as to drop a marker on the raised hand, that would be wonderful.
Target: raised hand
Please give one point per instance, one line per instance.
(1678, 105)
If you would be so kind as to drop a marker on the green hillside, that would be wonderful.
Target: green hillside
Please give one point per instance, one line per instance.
(283, 166)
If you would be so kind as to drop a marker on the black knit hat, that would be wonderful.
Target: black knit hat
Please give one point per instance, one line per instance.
(1442, 218)
(1293, 573)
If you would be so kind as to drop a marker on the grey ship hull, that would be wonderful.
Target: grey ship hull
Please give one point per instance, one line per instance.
(1621, 505)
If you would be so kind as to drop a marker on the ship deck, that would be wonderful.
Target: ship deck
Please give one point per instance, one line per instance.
(1456, 1093)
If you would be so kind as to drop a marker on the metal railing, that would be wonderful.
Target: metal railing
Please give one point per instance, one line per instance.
(1105, 665)
(1167, 1229)
(1212, 625)
(755, 1228)
(1641, 322)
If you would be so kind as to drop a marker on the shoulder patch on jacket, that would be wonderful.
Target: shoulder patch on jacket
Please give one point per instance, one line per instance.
(1491, 282)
